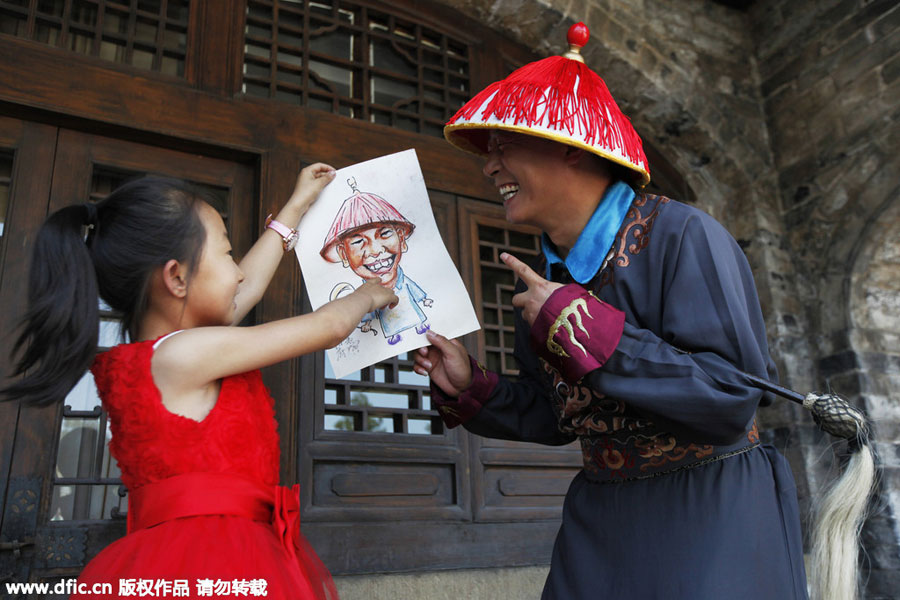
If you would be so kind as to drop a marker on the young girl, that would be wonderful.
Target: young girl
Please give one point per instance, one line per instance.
(193, 427)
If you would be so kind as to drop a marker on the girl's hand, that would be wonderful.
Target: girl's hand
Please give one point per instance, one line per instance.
(379, 296)
(310, 183)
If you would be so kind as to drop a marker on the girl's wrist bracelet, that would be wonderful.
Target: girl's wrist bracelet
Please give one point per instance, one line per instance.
(289, 235)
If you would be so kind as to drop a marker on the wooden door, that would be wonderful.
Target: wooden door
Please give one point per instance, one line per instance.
(64, 500)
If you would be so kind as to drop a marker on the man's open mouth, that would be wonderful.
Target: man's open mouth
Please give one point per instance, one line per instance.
(508, 190)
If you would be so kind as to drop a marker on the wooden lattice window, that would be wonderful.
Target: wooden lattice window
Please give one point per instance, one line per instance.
(148, 34)
(86, 483)
(497, 285)
(484, 233)
(385, 398)
(356, 61)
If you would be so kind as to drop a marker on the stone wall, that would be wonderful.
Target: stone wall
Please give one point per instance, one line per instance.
(783, 120)
(829, 82)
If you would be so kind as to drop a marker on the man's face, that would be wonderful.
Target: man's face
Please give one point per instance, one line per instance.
(375, 251)
(525, 170)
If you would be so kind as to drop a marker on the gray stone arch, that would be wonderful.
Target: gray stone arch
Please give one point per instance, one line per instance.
(873, 310)
(874, 290)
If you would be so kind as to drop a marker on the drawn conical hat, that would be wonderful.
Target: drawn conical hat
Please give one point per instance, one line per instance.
(361, 211)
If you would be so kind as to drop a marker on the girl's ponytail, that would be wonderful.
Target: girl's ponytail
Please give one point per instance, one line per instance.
(131, 233)
(58, 338)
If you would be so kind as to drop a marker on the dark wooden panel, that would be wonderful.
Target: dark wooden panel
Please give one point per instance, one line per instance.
(383, 485)
(524, 492)
(521, 480)
(359, 480)
(216, 33)
(534, 483)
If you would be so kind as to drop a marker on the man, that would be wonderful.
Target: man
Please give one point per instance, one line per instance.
(369, 236)
(631, 337)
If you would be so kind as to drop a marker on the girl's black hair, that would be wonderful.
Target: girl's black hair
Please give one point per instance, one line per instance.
(137, 228)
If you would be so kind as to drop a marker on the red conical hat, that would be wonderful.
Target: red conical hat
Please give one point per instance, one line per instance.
(558, 98)
(361, 211)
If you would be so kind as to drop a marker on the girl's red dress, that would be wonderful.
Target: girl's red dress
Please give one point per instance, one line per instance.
(205, 512)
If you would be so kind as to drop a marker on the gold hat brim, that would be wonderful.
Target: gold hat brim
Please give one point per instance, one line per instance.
(472, 138)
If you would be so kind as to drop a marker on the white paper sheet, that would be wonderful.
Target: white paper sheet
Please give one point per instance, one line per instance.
(375, 218)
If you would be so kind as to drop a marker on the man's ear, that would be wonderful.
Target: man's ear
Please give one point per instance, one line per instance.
(574, 155)
(174, 276)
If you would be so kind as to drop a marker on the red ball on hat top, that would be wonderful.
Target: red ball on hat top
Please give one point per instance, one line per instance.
(578, 36)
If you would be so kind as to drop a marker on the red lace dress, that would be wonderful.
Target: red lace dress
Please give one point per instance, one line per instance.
(205, 514)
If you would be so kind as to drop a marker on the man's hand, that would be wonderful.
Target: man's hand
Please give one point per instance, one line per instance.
(539, 289)
(446, 362)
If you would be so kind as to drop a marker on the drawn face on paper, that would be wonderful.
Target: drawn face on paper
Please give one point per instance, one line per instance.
(374, 252)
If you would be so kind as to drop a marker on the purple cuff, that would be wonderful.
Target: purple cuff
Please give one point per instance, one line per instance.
(575, 332)
(456, 411)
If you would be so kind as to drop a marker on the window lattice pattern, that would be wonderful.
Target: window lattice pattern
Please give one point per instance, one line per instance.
(498, 284)
(87, 484)
(355, 61)
(148, 34)
(388, 397)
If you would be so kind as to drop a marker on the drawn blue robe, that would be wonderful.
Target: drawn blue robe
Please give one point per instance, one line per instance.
(407, 313)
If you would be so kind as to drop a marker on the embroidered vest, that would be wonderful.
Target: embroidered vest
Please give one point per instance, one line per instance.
(617, 444)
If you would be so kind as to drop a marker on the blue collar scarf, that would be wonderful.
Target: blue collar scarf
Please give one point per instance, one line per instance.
(595, 240)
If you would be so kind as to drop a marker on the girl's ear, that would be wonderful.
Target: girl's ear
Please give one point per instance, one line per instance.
(174, 276)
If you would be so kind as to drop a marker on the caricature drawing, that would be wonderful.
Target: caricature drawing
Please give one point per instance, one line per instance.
(369, 236)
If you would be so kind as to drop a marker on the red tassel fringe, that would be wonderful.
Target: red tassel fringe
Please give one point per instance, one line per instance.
(546, 88)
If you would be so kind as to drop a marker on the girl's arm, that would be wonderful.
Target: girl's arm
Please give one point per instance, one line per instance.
(191, 360)
(259, 264)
